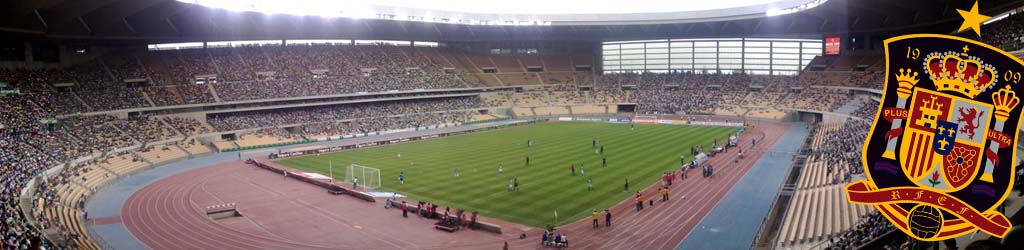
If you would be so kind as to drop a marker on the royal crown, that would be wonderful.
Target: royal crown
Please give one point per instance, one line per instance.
(906, 79)
(960, 72)
(1004, 100)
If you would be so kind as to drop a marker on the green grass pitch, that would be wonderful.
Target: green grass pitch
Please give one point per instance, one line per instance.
(640, 155)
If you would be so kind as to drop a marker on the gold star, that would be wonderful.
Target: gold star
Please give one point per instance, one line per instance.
(972, 19)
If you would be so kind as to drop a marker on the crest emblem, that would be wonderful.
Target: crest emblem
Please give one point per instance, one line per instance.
(939, 155)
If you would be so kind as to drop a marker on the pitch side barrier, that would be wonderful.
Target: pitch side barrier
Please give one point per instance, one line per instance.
(331, 187)
(649, 120)
(381, 142)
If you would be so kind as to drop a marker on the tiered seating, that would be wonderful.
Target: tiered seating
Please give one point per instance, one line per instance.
(260, 139)
(522, 111)
(556, 63)
(480, 61)
(609, 96)
(534, 98)
(146, 129)
(566, 97)
(124, 66)
(766, 113)
(68, 216)
(96, 177)
(479, 117)
(818, 213)
(819, 208)
(558, 78)
(122, 164)
(193, 147)
(730, 111)
(585, 78)
(588, 109)
(507, 64)
(531, 61)
(188, 126)
(497, 99)
(224, 145)
(519, 78)
(582, 60)
(817, 99)
(764, 99)
(555, 110)
(489, 80)
(162, 153)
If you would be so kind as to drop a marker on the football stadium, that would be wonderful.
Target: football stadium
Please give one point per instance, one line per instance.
(398, 124)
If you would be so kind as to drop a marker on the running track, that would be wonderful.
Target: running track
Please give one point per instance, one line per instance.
(169, 215)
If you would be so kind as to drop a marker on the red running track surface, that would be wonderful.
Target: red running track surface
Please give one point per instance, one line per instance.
(282, 213)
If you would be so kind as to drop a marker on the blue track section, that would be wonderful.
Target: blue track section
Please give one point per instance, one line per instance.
(734, 221)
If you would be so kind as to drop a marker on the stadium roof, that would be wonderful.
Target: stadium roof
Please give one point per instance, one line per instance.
(524, 12)
(174, 21)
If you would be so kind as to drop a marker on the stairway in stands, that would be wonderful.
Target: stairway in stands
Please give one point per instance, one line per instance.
(847, 108)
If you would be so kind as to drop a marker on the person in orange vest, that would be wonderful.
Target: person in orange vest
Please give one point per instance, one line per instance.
(595, 216)
(639, 201)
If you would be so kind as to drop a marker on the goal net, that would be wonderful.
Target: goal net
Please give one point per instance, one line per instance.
(368, 177)
(645, 119)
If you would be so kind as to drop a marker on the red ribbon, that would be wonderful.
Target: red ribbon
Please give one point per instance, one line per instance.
(992, 156)
(893, 133)
(893, 113)
(1003, 140)
(1000, 139)
(992, 223)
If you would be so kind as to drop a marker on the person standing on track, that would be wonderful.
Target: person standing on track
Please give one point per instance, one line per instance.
(607, 218)
(639, 201)
(595, 219)
(405, 210)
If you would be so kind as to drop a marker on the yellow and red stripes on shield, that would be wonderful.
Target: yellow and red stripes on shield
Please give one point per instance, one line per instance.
(918, 154)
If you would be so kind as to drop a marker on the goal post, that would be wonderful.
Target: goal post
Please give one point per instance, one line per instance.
(645, 119)
(369, 177)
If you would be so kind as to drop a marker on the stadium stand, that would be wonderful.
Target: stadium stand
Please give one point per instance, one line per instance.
(171, 79)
